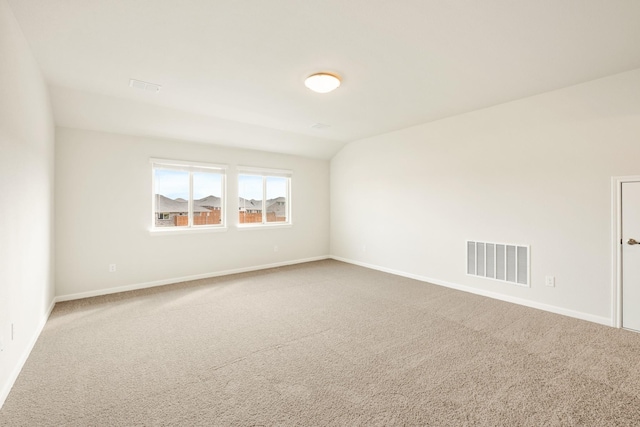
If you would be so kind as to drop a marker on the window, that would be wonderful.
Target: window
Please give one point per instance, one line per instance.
(187, 195)
(264, 197)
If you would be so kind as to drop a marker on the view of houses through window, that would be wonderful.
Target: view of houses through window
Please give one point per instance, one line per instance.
(187, 196)
(191, 195)
(263, 199)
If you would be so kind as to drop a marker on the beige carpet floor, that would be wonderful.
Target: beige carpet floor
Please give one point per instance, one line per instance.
(323, 343)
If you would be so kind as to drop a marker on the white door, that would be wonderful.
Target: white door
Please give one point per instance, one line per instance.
(631, 255)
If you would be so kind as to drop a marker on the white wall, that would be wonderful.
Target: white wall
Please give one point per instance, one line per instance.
(535, 171)
(103, 214)
(26, 201)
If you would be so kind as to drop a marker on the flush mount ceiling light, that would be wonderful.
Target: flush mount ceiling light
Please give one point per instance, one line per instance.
(322, 82)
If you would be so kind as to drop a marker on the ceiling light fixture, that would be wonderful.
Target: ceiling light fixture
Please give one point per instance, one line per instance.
(322, 82)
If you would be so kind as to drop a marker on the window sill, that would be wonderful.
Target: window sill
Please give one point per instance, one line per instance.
(263, 226)
(185, 230)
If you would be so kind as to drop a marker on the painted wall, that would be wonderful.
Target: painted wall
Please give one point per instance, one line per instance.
(103, 214)
(26, 204)
(535, 172)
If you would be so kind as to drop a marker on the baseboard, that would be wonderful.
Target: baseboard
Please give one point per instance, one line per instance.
(145, 285)
(6, 388)
(515, 300)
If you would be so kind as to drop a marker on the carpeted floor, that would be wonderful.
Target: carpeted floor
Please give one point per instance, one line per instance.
(324, 343)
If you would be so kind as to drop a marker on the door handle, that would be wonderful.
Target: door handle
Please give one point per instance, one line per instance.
(633, 242)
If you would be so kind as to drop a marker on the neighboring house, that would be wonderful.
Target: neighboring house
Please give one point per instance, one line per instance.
(250, 206)
(251, 210)
(210, 203)
(277, 208)
(207, 211)
(174, 212)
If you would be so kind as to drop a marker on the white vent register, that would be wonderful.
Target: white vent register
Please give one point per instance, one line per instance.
(499, 261)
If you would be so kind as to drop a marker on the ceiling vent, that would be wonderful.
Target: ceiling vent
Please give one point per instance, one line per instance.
(320, 126)
(147, 87)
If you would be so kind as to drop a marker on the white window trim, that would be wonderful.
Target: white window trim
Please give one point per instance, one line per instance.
(268, 172)
(252, 170)
(256, 226)
(174, 231)
(191, 167)
(187, 163)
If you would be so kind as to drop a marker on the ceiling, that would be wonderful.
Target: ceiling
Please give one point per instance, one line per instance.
(232, 71)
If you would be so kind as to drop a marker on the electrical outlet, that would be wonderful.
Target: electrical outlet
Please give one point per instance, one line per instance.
(364, 248)
(275, 249)
(550, 281)
(112, 268)
(1, 344)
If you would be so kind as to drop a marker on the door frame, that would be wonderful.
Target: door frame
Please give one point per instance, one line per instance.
(616, 246)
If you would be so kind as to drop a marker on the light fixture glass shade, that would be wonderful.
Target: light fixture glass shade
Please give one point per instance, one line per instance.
(322, 82)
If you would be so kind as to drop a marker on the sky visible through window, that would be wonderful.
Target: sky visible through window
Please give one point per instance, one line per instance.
(276, 187)
(175, 184)
(250, 187)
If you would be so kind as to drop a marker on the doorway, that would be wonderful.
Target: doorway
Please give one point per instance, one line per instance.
(626, 249)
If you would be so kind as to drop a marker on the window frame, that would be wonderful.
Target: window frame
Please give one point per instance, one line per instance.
(266, 173)
(191, 167)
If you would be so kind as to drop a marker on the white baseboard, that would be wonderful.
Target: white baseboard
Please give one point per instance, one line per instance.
(173, 280)
(521, 301)
(6, 388)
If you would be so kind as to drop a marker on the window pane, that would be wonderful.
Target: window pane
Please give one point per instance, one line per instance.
(207, 198)
(171, 195)
(250, 198)
(277, 199)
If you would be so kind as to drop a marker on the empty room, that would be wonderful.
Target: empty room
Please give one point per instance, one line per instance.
(335, 213)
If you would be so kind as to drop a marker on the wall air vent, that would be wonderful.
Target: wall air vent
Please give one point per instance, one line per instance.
(147, 87)
(499, 261)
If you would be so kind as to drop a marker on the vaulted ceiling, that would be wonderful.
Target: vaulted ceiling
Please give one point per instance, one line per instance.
(232, 71)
